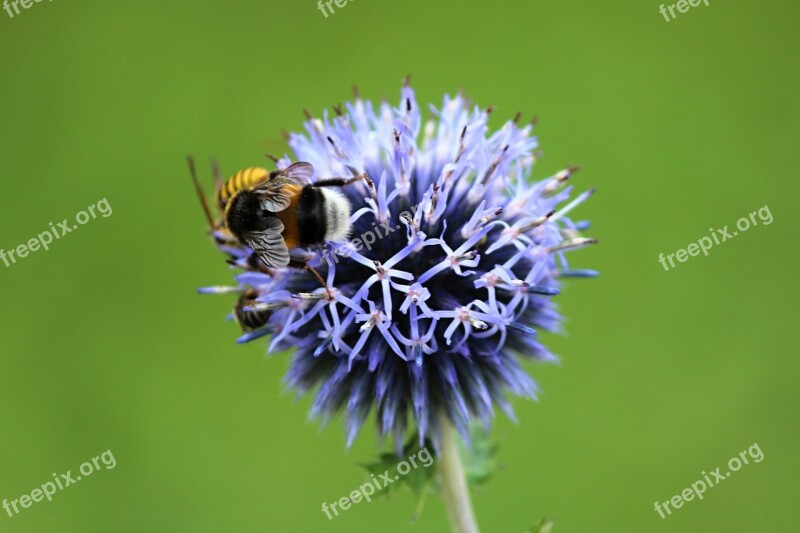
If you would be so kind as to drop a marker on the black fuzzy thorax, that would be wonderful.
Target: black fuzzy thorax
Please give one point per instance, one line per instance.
(245, 214)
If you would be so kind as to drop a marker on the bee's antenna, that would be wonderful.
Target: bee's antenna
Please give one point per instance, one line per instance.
(274, 159)
(200, 193)
(217, 175)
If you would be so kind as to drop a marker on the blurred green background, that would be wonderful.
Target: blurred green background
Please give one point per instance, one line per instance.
(681, 125)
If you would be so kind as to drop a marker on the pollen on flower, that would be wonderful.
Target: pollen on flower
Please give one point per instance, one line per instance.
(436, 310)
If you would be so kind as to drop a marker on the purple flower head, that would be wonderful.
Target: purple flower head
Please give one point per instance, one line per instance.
(453, 260)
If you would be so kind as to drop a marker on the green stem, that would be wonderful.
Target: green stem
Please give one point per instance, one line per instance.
(454, 483)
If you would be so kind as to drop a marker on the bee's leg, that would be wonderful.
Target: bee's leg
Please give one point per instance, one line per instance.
(319, 278)
(316, 275)
(295, 262)
(341, 182)
(254, 263)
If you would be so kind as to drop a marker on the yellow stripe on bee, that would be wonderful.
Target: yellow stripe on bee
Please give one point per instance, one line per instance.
(243, 179)
(291, 230)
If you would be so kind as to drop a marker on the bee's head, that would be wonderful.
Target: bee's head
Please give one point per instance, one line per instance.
(244, 213)
(246, 319)
(246, 298)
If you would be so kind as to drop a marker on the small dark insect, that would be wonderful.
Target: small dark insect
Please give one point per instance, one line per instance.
(247, 313)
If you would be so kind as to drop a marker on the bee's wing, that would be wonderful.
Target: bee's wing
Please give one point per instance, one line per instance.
(273, 194)
(269, 245)
(300, 172)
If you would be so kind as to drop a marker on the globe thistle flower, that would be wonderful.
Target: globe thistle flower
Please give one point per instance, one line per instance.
(455, 258)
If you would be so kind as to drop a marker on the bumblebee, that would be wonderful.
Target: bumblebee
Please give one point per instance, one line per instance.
(243, 179)
(250, 319)
(272, 212)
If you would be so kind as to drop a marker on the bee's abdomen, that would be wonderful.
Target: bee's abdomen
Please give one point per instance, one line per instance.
(244, 179)
(311, 216)
(250, 320)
